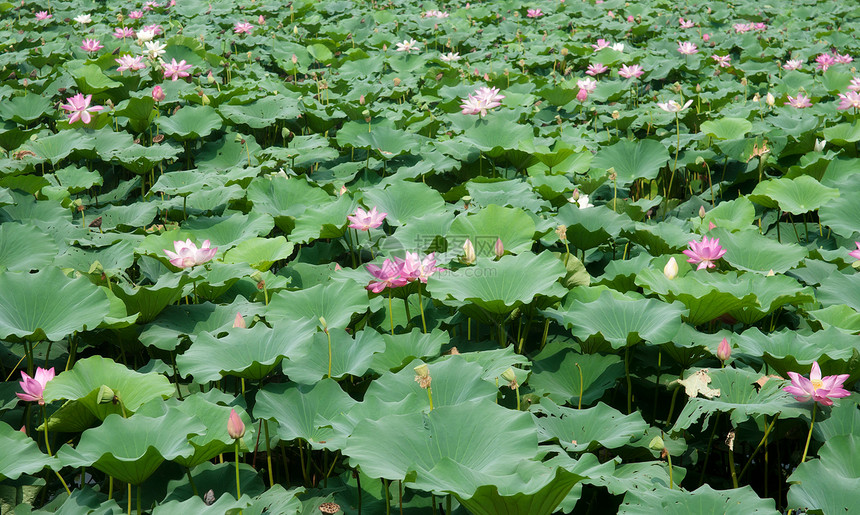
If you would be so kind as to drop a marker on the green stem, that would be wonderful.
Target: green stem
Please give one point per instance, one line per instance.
(329, 352)
(669, 458)
(708, 454)
(191, 482)
(408, 314)
(387, 500)
(139, 510)
(579, 403)
(732, 468)
(421, 308)
(430, 397)
(518, 396)
(48, 447)
(268, 452)
(809, 436)
(238, 487)
(762, 442)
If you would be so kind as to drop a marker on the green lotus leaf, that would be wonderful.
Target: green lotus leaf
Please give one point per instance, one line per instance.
(283, 199)
(543, 489)
(131, 449)
(839, 289)
(141, 160)
(668, 237)
(336, 302)
(304, 412)
(621, 323)
(516, 194)
(842, 133)
(185, 182)
(400, 349)
(58, 146)
(740, 398)
(491, 289)
(632, 160)
(21, 454)
(261, 113)
(704, 500)
(494, 362)
(726, 128)
(260, 253)
(556, 376)
(748, 250)
(323, 221)
(87, 378)
(194, 122)
(247, 353)
(843, 419)
(787, 350)
(515, 228)
(732, 215)
(387, 141)
(830, 484)
(589, 228)
(839, 315)
(579, 430)
(226, 503)
(349, 355)
(150, 300)
(48, 305)
(796, 196)
(841, 215)
(25, 109)
(404, 201)
(493, 135)
(24, 248)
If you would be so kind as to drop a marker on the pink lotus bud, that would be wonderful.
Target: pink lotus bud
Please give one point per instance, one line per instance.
(630, 19)
(711, 225)
(724, 351)
(582, 95)
(158, 94)
(337, 267)
(706, 37)
(261, 20)
(294, 59)
(239, 321)
(499, 248)
(235, 426)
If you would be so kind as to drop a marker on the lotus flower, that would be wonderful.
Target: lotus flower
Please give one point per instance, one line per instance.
(187, 254)
(825, 61)
(123, 32)
(434, 14)
(705, 252)
(799, 102)
(842, 58)
(34, 386)
(84, 19)
(135, 15)
(630, 72)
(792, 64)
(128, 62)
(482, 100)
(674, 107)
(366, 220)
(596, 69)
(388, 275)
(819, 389)
(601, 44)
(243, 28)
(144, 35)
(722, 60)
(724, 350)
(154, 49)
(687, 48)
(155, 28)
(91, 45)
(176, 70)
(413, 267)
(79, 108)
(685, 24)
(849, 100)
(671, 269)
(534, 13)
(158, 94)
(855, 253)
(450, 57)
(235, 426)
(407, 45)
(43, 15)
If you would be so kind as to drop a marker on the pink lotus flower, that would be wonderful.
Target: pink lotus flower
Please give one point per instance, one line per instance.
(842, 58)
(687, 48)
(34, 386)
(176, 70)
(704, 252)
(388, 275)
(155, 29)
(817, 388)
(481, 101)
(243, 28)
(135, 15)
(825, 61)
(123, 32)
(43, 15)
(79, 108)
(91, 45)
(490, 95)
(127, 62)
(413, 268)
(586, 86)
(855, 84)
(799, 102)
(434, 14)
(724, 350)
(740, 28)
(261, 20)
(239, 321)
(723, 61)
(631, 72)
(685, 24)
(407, 45)
(596, 69)
(366, 220)
(148, 6)
(760, 26)
(706, 37)
(235, 426)
(855, 253)
(534, 13)
(674, 107)
(601, 44)
(158, 94)
(631, 19)
(187, 254)
(849, 100)
(792, 64)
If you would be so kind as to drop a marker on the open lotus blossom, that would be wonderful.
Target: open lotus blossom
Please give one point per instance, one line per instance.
(674, 107)
(817, 388)
(842, 58)
(792, 64)
(148, 6)
(235, 426)
(799, 102)
(618, 47)
(34, 386)
(144, 35)
(825, 61)
(855, 84)
(187, 254)
(534, 13)
(740, 28)
(83, 19)
(366, 220)
(587, 84)
(135, 15)
(482, 100)
(154, 50)
(633, 71)
(127, 62)
(855, 253)
(43, 15)
(601, 44)
(389, 275)
(175, 70)
(243, 28)
(123, 32)
(704, 252)
(723, 60)
(155, 28)
(91, 45)
(407, 45)
(849, 100)
(596, 69)
(79, 108)
(450, 57)
(685, 24)
(414, 268)
(434, 14)
(687, 48)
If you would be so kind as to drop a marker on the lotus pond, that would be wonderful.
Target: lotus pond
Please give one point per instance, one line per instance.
(388, 257)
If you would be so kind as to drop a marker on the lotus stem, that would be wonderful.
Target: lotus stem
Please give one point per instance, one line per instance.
(762, 442)
(196, 300)
(238, 487)
(29, 352)
(430, 396)
(129, 499)
(387, 500)
(421, 308)
(732, 468)
(517, 389)
(579, 403)
(110, 488)
(48, 447)
(329, 351)
(808, 436)
(708, 453)
(448, 505)
(669, 459)
(629, 381)
(545, 333)
(268, 452)
(191, 482)
(408, 314)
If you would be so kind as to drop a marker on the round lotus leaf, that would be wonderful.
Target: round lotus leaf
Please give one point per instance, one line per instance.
(830, 483)
(632, 160)
(335, 301)
(350, 354)
(796, 196)
(21, 454)
(193, 122)
(740, 501)
(579, 430)
(726, 128)
(513, 226)
(24, 248)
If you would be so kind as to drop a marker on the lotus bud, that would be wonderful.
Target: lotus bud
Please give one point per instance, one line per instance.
(582, 95)
(744, 81)
(296, 30)
(261, 20)
(770, 273)
(819, 145)
(384, 47)
(396, 81)
(361, 100)
(235, 426)
(656, 444)
(210, 78)
(337, 267)
(676, 87)
(724, 350)
(706, 37)
(616, 115)
(698, 88)
(769, 99)
(469, 256)
(324, 325)
(342, 190)
(158, 94)
(294, 59)
(499, 248)
(756, 97)
(239, 321)
(205, 99)
(671, 269)
(711, 225)
(701, 211)
(561, 230)
(422, 376)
